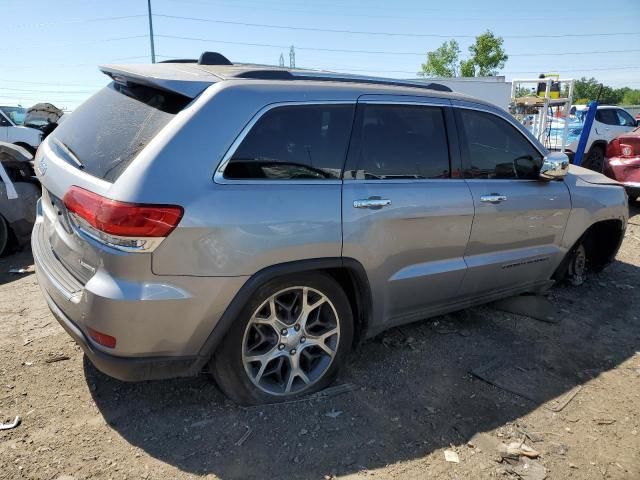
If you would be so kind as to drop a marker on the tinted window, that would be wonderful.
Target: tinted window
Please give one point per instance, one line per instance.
(493, 148)
(107, 131)
(4, 122)
(607, 116)
(399, 142)
(305, 142)
(624, 119)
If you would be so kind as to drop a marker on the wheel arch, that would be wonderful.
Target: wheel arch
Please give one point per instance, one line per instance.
(602, 240)
(349, 273)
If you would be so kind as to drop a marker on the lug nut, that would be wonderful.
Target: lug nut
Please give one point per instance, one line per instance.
(281, 346)
(293, 351)
(303, 339)
(283, 331)
(297, 327)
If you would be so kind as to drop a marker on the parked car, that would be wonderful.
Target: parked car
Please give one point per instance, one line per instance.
(263, 220)
(623, 162)
(13, 130)
(19, 192)
(610, 121)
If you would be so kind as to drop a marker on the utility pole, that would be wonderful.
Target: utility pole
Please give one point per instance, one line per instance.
(153, 49)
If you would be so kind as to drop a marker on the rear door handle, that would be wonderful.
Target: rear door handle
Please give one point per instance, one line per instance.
(493, 198)
(374, 203)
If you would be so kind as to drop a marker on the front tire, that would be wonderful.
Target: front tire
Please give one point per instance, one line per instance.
(4, 236)
(291, 339)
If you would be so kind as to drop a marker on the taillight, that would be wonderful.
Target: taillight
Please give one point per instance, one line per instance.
(130, 226)
(627, 150)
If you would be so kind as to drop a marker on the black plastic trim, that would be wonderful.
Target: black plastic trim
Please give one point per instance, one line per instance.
(129, 369)
(260, 278)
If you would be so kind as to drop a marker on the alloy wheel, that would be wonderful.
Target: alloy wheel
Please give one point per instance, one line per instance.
(291, 341)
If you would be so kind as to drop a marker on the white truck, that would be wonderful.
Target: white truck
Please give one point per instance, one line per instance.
(12, 129)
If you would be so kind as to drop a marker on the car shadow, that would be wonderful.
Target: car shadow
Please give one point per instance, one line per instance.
(414, 391)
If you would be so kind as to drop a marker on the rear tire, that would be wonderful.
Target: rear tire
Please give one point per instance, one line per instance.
(4, 236)
(291, 339)
(595, 159)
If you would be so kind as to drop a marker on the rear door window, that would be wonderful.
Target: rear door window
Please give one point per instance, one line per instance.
(624, 119)
(399, 142)
(494, 149)
(298, 142)
(106, 132)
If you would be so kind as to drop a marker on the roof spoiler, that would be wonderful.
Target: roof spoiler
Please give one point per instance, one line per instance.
(163, 76)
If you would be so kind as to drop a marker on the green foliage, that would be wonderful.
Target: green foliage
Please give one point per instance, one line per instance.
(486, 57)
(587, 89)
(524, 91)
(487, 54)
(442, 62)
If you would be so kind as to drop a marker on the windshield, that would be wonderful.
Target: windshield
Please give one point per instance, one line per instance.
(107, 131)
(15, 114)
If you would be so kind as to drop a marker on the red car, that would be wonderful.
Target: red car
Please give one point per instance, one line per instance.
(623, 162)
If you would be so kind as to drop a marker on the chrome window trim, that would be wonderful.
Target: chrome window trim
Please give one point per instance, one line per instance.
(513, 124)
(218, 176)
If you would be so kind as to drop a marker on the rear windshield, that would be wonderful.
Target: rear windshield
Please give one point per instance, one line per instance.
(107, 131)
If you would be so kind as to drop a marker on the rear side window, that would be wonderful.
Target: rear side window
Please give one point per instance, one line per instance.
(492, 148)
(301, 142)
(395, 142)
(107, 131)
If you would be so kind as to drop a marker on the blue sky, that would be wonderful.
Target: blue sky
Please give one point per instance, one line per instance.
(51, 49)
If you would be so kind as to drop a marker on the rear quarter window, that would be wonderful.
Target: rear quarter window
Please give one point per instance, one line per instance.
(107, 131)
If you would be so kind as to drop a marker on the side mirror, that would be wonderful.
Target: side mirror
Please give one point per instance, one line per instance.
(555, 166)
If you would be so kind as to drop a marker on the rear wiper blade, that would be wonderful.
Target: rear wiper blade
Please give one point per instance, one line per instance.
(69, 153)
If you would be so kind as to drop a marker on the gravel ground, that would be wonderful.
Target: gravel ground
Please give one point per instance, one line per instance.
(414, 397)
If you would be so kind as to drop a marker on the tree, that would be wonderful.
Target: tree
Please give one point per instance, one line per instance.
(442, 62)
(586, 89)
(487, 54)
(486, 57)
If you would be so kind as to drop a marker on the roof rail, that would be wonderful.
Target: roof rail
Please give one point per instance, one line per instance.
(180, 60)
(343, 77)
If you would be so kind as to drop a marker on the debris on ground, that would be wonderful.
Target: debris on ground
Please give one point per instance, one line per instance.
(451, 456)
(333, 413)
(513, 450)
(530, 380)
(244, 437)
(533, 306)
(9, 426)
(17, 270)
(59, 358)
(527, 470)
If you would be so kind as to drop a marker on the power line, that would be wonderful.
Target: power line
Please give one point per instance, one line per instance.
(375, 52)
(389, 34)
(69, 92)
(51, 84)
(65, 44)
(68, 22)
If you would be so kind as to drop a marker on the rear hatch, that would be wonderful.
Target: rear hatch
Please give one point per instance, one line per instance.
(92, 149)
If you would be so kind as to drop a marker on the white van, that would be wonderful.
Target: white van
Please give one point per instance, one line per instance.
(12, 129)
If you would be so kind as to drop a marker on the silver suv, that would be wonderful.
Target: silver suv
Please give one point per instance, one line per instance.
(261, 221)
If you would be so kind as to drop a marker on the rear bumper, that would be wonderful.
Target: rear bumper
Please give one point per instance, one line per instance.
(125, 368)
(160, 323)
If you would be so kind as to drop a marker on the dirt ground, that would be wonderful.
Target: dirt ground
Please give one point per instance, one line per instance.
(414, 397)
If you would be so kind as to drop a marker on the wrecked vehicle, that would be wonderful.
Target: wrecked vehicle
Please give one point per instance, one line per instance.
(19, 193)
(314, 210)
(43, 116)
(623, 162)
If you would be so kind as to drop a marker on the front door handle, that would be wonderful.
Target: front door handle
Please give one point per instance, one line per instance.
(374, 203)
(493, 198)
